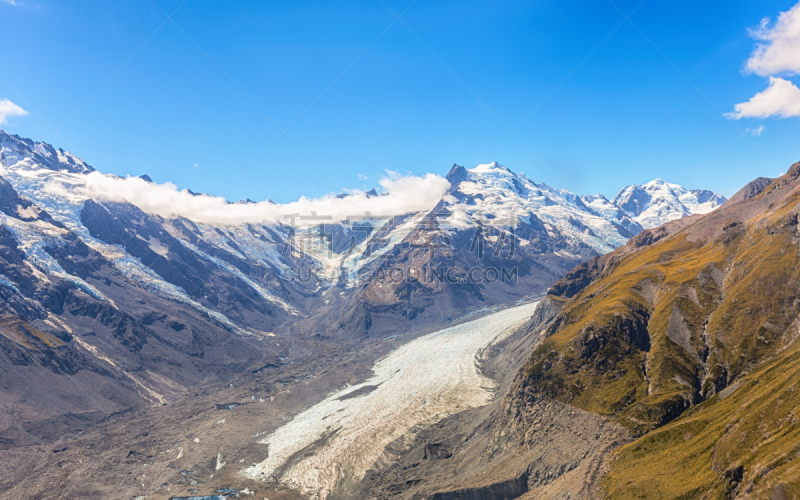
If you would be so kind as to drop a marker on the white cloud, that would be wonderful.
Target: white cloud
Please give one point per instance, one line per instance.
(8, 109)
(362, 177)
(756, 131)
(779, 51)
(10, 2)
(781, 98)
(402, 195)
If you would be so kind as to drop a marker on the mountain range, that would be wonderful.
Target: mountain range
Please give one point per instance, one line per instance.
(667, 368)
(109, 308)
(277, 272)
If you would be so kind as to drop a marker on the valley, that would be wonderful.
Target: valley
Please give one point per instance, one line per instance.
(422, 382)
(423, 354)
(399, 250)
(295, 422)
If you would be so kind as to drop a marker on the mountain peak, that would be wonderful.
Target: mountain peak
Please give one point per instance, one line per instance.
(492, 167)
(657, 202)
(457, 174)
(41, 153)
(752, 189)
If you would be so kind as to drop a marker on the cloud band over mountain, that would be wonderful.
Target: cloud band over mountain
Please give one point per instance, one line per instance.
(401, 195)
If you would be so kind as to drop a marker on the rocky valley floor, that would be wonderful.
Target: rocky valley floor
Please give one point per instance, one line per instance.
(346, 425)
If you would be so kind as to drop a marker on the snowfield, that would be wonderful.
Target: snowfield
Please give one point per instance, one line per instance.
(659, 202)
(422, 382)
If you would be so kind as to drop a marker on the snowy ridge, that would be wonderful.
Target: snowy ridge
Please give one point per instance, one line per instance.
(495, 191)
(33, 237)
(659, 202)
(16, 150)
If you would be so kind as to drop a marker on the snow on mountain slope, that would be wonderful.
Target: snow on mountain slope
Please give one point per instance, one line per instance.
(495, 191)
(600, 205)
(31, 182)
(659, 202)
(560, 223)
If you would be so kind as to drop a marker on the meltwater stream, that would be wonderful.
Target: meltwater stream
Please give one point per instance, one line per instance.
(422, 382)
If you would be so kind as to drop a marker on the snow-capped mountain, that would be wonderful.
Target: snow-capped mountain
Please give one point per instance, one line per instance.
(493, 218)
(495, 190)
(487, 197)
(658, 202)
(590, 220)
(150, 304)
(15, 149)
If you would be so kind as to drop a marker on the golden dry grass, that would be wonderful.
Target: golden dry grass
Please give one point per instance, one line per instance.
(718, 314)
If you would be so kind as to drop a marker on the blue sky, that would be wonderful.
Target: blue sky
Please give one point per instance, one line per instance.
(595, 101)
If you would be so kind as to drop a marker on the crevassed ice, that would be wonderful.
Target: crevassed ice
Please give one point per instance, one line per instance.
(30, 183)
(32, 238)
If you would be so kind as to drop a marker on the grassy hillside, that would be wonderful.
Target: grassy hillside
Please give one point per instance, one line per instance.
(687, 337)
(744, 440)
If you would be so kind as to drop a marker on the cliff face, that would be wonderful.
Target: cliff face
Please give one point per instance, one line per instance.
(686, 336)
